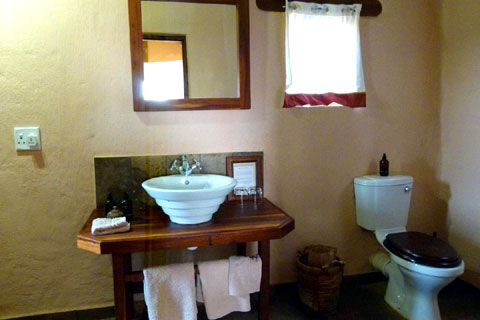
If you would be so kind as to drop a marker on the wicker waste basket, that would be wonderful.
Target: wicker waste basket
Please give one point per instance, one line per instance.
(320, 274)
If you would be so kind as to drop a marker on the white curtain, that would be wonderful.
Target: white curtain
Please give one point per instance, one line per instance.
(323, 49)
(163, 80)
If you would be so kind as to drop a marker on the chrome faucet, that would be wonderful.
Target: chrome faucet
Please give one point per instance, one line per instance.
(185, 169)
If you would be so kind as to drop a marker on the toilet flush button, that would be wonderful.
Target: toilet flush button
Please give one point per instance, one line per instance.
(407, 189)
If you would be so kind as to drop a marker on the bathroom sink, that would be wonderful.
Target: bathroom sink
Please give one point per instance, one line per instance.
(189, 199)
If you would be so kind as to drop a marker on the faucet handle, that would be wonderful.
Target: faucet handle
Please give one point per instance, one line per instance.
(197, 164)
(174, 165)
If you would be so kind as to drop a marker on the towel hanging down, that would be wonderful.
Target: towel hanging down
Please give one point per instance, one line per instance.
(214, 281)
(170, 292)
(223, 285)
(244, 275)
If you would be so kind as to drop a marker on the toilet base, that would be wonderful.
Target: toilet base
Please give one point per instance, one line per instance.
(412, 294)
(416, 306)
(420, 295)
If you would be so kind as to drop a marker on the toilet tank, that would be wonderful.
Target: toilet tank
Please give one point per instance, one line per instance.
(382, 202)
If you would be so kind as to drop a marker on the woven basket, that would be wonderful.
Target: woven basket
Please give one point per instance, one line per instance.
(319, 286)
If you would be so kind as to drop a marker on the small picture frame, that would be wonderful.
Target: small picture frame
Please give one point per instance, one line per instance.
(247, 170)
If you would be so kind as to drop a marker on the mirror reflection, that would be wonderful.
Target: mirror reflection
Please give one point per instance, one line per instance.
(190, 50)
(165, 68)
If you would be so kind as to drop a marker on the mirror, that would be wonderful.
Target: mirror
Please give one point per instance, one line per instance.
(189, 55)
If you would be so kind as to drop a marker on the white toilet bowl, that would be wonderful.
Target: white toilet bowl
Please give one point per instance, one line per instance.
(422, 285)
(413, 288)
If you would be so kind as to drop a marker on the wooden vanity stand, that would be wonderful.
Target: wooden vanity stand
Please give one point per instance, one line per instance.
(151, 230)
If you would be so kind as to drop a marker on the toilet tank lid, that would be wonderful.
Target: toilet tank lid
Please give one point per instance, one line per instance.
(376, 180)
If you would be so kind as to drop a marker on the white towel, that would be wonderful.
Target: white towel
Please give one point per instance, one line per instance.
(214, 280)
(101, 226)
(170, 292)
(198, 287)
(244, 275)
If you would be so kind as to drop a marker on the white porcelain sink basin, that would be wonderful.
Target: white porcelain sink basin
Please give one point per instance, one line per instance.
(192, 199)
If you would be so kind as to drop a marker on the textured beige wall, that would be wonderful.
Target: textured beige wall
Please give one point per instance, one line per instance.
(460, 117)
(57, 71)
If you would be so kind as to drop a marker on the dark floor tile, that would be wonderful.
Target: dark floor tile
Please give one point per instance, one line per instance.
(458, 297)
(54, 316)
(361, 300)
(357, 301)
(471, 317)
(96, 314)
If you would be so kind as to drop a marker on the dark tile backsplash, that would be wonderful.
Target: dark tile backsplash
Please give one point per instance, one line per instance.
(119, 175)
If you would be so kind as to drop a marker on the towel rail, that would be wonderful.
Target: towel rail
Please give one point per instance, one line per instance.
(137, 276)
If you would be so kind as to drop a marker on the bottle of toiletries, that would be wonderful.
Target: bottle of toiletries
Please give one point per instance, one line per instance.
(384, 166)
(126, 206)
(115, 213)
(109, 203)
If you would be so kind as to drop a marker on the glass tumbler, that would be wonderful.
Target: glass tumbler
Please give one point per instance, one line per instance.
(242, 192)
(257, 193)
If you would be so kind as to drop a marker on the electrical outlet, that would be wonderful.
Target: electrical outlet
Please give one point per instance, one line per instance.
(27, 138)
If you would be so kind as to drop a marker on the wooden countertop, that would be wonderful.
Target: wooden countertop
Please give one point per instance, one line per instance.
(152, 230)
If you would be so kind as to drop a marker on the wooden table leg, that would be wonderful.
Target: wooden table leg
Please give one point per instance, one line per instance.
(241, 249)
(264, 298)
(122, 264)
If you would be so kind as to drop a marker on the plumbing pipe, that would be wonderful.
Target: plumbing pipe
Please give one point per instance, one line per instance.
(381, 261)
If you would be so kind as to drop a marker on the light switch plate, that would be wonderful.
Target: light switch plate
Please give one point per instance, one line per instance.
(27, 138)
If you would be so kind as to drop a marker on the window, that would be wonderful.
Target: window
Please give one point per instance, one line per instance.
(324, 64)
(165, 67)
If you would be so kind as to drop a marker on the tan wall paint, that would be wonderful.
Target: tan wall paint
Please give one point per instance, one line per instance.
(460, 116)
(57, 71)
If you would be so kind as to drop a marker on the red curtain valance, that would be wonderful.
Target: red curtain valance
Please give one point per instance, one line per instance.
(352, 100)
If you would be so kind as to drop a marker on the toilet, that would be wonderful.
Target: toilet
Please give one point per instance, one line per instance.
(418, 265)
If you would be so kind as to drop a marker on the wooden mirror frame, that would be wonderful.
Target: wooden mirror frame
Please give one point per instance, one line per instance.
(136, 50)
